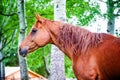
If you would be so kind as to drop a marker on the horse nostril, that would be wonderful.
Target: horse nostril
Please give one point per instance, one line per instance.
(23, 52)
(19, 49)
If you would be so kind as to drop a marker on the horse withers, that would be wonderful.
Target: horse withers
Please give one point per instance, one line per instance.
(94, 56)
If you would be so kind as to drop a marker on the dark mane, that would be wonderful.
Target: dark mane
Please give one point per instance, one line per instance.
(78, 38)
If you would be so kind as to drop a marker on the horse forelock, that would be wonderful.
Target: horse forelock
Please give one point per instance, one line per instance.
(78, 38)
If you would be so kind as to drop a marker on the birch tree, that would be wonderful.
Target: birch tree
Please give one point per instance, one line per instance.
(6, 39)
(57, 70)
(111, 17)
(22, 23)
(113, 11)
(2, 68)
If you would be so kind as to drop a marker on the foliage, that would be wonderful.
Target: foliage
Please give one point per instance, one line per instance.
(36, 62)
(68, 68)
(41, 7)
(83, 10)
(8, 29)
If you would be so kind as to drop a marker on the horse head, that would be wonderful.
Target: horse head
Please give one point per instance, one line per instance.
(37, 37)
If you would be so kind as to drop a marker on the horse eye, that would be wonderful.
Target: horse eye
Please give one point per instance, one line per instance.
(34, 31)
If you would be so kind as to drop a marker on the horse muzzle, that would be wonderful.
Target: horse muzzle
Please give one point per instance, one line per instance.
(23, 52)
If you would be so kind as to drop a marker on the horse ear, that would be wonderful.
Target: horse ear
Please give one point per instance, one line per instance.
(39, 18)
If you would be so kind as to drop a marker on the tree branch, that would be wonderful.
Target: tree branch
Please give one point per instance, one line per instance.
(14, 13)
(11, 38)
(118, 13)
(45, 63)
(102, 1)
(2, 59)
(116, 2)
(43, 14)
(47, 14)
(4, 42)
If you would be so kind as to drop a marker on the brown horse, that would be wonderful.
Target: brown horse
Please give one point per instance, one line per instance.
(94, 56)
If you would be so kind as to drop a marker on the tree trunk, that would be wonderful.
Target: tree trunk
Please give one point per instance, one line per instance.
(22, 61)
(111, 17)
(57, 70)
(2, 67)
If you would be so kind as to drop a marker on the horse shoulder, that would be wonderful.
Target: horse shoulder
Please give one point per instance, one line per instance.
(86, 68)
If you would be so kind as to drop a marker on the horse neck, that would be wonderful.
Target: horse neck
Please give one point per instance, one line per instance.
(54, 30)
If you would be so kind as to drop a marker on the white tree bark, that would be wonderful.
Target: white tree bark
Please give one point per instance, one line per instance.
(2, 67)
(111, 17)
(57, 70)
(22, 61)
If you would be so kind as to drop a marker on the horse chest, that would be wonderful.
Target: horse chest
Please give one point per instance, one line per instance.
(85, 69)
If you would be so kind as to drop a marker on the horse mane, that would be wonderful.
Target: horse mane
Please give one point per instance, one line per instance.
(78, 38)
